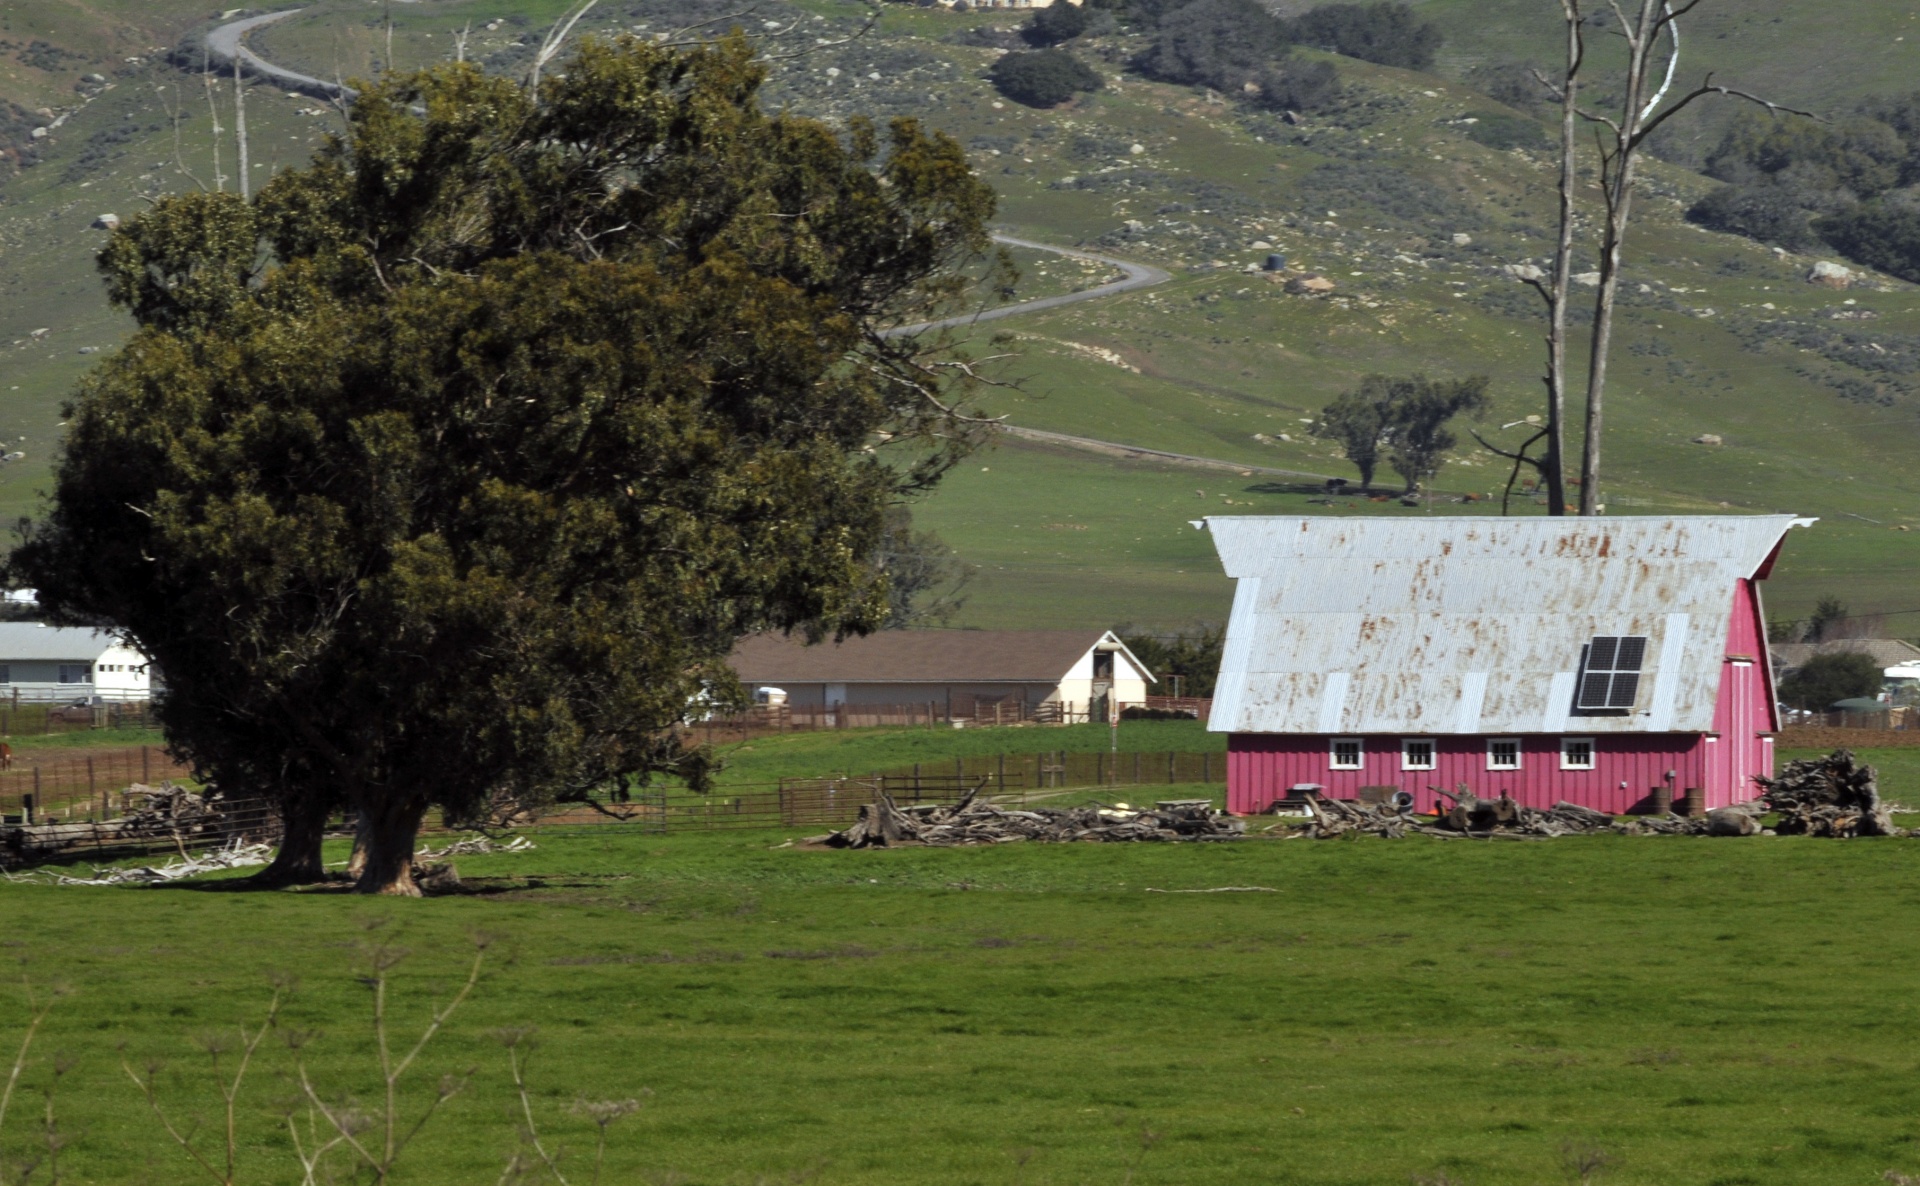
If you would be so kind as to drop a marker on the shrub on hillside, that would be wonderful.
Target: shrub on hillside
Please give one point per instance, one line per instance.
(1057, 22)
(1387, 33)
(1878, 234)
(1506, 131)
(1512, 84)
(1042, 78)
(1298, 85)
(1768, 213)
(1855, 158)
(1224, 44)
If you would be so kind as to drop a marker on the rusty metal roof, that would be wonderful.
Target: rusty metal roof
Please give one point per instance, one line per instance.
(1474, 624)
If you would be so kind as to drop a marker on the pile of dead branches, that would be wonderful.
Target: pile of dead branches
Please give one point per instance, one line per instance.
(973, 820)
(1467, 815)
(1830, 796)
(235, 855)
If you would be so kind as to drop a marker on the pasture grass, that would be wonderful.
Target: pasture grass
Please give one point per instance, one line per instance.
(1697, 1010)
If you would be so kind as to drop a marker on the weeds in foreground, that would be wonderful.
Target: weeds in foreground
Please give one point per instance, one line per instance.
(336, 1136)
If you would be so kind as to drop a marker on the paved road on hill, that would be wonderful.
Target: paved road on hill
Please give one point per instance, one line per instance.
(1137, 276)
(228, 41)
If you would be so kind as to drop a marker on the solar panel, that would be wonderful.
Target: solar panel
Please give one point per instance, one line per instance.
(1611, 678)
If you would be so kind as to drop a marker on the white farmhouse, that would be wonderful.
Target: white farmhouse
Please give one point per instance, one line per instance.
(39, 662)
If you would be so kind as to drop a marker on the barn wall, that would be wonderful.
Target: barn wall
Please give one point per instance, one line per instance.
(1743, 715)
(1262, 766)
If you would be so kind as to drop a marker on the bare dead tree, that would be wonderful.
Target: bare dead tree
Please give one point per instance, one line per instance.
(240, 128)
(1617, 143)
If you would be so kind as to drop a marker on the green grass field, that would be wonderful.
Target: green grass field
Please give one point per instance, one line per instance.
(1698, 1011)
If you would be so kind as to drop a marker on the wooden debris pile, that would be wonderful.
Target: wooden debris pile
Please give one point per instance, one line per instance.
(234, 855)
(1503, 818)
(1830, 796)
(973, 820)
(1468, 815)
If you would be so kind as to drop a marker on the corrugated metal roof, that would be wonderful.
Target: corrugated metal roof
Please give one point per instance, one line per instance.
(919, 657)
(1474, 624)
(30, 641)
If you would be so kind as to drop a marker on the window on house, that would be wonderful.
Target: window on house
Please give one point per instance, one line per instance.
(1611, 676)
(1103, 665)
(1576, 753)
(1503, 753)
(1347, 753)
(76, 673)
(1416, 754)
(6, 673)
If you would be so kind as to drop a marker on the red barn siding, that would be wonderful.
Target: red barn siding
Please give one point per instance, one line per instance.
(1262, 766)
(1744, 712)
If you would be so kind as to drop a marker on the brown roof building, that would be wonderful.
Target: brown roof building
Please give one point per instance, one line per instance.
(1887, 652)
(957, 671)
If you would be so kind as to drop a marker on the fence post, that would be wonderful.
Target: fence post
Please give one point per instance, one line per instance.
(1206, 766)
(1100, 769)
(1136, 767)
(1001, 773)
(1169, 767)
(146, 752)
(916, 782)
(90, 787)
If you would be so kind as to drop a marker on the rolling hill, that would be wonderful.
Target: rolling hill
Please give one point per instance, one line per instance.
(1811, 391)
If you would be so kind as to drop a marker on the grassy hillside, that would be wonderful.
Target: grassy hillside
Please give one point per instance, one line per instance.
(1812, 391)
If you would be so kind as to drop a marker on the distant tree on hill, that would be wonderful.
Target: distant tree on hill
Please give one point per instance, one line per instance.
(1224, 44)
(1419, 439)
(1042, 78)
(1816, 684)
(1057, 22)
(1402, 421)
(1387, 33)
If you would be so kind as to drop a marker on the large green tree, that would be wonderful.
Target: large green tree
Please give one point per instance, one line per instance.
(452, 466)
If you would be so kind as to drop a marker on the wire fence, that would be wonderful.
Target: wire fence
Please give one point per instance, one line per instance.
(962, 711)
(27, 718)
(38, 786)
(1010, 780)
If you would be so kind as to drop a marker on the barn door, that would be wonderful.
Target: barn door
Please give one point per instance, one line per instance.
(1743, 732)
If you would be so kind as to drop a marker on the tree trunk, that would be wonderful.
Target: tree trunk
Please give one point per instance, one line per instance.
(298, 862)
(357, 859)
(390, 825)
(1553, 465)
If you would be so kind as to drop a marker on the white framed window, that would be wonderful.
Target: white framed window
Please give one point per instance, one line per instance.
(1417, 753)
(1503, 753)
(1576, 753)
(1346, 753)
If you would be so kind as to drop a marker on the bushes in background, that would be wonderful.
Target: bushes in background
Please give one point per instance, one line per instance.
(1042, 78)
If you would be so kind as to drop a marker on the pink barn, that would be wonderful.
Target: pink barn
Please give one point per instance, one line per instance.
(1616, 663)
